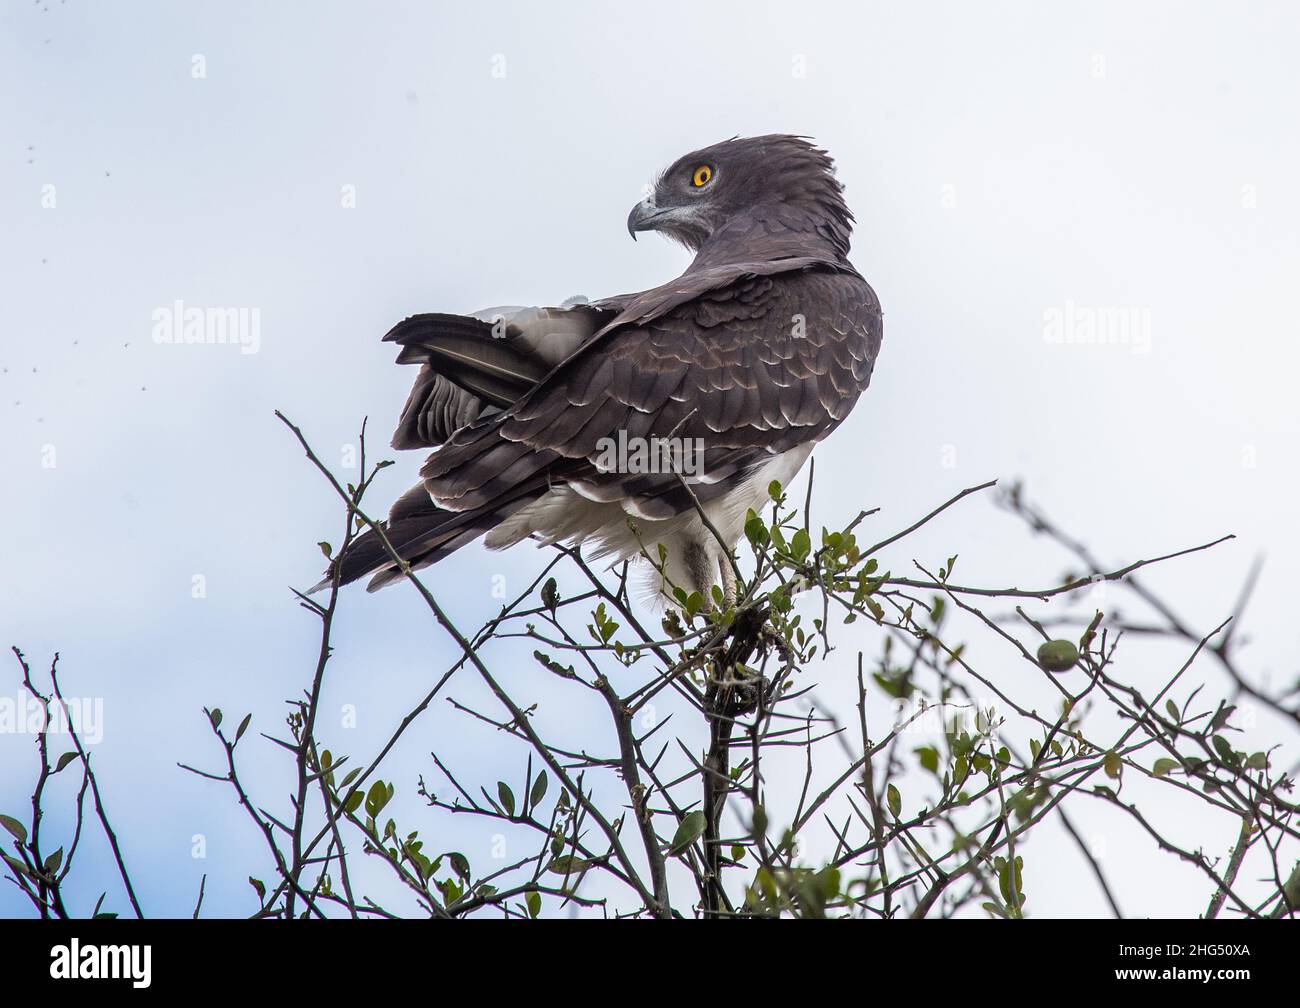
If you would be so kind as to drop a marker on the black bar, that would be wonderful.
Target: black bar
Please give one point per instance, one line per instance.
(336, 956)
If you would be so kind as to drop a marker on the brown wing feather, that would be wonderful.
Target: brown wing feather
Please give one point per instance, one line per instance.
(772, 361)
(719, 355)
(476, 365)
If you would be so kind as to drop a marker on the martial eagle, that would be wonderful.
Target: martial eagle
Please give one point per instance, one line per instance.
(754, 354)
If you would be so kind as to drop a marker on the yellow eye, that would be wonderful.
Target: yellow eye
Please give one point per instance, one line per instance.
(702, 176)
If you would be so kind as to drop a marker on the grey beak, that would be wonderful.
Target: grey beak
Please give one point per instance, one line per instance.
(641, 216)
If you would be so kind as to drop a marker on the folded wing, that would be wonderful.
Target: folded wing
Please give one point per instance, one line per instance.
(481, 363)
(751, 363)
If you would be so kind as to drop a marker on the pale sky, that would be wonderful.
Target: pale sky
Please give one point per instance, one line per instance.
(1018, 170)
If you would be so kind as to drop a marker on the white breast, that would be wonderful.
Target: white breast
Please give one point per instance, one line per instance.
(564, 515)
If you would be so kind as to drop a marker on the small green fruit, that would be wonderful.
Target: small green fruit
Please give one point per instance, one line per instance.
(1058, 655)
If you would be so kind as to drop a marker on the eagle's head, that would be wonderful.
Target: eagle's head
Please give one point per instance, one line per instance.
(780, 181)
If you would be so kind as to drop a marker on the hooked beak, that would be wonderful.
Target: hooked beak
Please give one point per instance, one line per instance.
(643, 216)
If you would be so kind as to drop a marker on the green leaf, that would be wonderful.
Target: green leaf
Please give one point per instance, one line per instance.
(539, 790)
(534, 901)
(53, 861)
(1165, 766)
(547, 662)
(15, 827)
(896, 682)
(756, 530)
(567, 864)
(1112, 764)
(928, 757)
(422, 864)
(17, 867)
(377, 797)
(215, 717)
(259, 887)
(605, 627)
(828, 882)
(507, 797)
(1257, 761)
(353, 801)
(451, 892)
(690, 829)
(893, 799)
(1010, 882)
(243, 727)
(64, 760)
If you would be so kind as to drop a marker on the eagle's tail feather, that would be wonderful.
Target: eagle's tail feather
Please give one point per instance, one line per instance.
(421, 533)
(466, 351)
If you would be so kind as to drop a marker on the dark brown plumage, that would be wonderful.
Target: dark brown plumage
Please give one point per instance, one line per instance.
(759, 349)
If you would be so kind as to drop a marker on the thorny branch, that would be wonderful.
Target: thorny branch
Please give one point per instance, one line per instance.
(698, 768)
